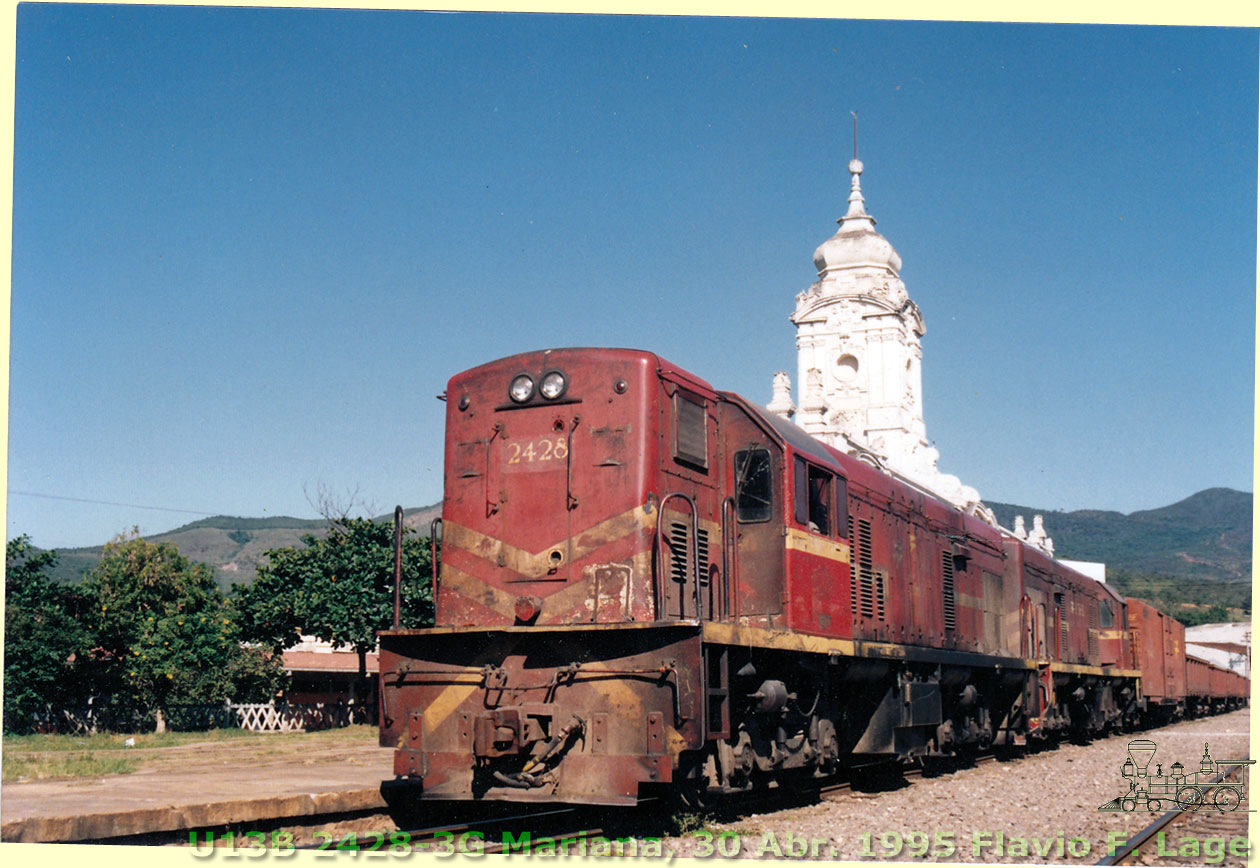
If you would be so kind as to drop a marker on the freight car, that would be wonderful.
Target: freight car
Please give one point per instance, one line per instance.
(647, 583)
(1212, 690)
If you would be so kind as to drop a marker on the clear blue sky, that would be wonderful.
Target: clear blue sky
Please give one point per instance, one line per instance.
(250, 246)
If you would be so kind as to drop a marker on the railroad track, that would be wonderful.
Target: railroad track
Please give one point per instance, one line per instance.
(507, 828)
(495, 827)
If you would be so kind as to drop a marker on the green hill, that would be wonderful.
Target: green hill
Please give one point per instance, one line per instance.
(1205, 536)
(232, 545)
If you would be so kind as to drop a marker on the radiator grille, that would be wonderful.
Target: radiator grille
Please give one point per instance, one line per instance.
(678, 552)
(868, 601)
(1093, 632)
(1061, 606)
(679, 568)
(948, 601)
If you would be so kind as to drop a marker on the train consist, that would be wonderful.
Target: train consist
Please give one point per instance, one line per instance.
(649, 584)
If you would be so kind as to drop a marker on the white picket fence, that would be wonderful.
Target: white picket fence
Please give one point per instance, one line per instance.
(270, 717)
(257, 717)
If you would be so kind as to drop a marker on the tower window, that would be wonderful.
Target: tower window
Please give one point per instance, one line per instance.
(847, 368)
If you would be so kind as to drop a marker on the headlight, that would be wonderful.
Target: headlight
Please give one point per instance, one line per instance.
(522, 388)
(553, 385)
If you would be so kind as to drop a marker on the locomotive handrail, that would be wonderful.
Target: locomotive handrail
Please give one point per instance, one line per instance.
(1025, 627)
(570, 502)
(398, 520)
(434, 561)
(730, 557)
(691, 553)
(491, 506)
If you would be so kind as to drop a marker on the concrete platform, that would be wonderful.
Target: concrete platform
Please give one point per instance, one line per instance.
(195, 795)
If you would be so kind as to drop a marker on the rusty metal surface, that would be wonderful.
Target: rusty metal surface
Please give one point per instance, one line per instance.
(598, 581)
(558, 713)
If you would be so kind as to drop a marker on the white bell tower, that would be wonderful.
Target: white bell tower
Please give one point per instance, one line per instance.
(859, 356)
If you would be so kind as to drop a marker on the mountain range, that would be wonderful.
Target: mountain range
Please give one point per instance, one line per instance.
(233, 546)
(1207, 536)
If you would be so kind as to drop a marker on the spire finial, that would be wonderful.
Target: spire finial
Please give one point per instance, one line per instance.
(857, 209)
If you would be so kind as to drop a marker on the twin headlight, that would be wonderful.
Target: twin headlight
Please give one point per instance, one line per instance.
(552, 386)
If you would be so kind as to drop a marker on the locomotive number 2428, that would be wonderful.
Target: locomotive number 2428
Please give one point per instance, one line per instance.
(536, 451)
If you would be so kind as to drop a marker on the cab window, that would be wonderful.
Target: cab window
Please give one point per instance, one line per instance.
(754, 498)
(813, 496)
(1106, 615)
(842, 506)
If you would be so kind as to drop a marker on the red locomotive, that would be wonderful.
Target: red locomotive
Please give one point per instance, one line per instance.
(647, 583)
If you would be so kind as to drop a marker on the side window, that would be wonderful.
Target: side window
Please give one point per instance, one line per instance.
(813, 497)
(690, 431)
(754, 489)
(800, 487)
(1107, 615)
(842, 506)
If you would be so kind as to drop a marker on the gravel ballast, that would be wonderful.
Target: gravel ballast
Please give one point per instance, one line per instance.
(1041, 808)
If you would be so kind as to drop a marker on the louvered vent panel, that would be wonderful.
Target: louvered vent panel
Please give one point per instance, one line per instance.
(876, 580)
(869, 597)
(947, 590)
(1093, 632)
(691, 441)
(702, 554)
(1061, 605)
(678, 551)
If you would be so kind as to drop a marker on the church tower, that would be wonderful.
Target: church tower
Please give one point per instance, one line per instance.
(859, 356)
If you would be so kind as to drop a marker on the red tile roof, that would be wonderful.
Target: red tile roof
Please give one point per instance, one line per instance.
(328, 661)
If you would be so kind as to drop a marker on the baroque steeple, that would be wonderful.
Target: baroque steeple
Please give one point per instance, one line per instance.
(859, 356)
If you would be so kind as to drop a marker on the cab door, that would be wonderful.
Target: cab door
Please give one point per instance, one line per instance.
(752, 523)
(688, 536)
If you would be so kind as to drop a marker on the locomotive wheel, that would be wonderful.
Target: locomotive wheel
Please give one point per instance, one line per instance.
(1226, 799)
(691, 790)
(1189, 798)
(1128, 804)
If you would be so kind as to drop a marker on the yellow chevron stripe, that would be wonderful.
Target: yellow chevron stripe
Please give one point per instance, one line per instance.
(454, 695)
(809, 543)
(535, 565)
(577, 596)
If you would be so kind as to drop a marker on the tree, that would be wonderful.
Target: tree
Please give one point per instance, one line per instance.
(43, 638)
(256, 674)
(162, 627)
(338, 588)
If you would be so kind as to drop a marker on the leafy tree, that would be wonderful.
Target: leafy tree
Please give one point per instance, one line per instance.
(255, 674)
(43, 636)
(164, 632)
(338, 588)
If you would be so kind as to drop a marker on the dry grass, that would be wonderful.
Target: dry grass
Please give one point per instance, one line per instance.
(43, 757)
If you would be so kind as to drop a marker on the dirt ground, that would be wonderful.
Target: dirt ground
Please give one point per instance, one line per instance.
(189, 779)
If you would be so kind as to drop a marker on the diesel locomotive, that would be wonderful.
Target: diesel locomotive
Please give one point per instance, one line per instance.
(646, 583)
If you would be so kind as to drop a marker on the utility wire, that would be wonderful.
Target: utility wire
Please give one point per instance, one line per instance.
(109, 502)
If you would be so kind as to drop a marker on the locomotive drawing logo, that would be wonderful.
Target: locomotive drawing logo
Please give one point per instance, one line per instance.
(1177, 791)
